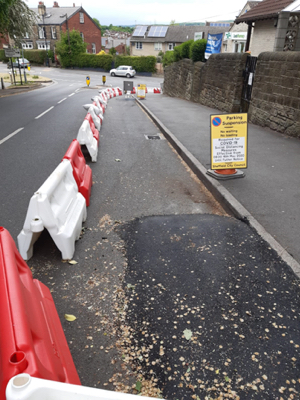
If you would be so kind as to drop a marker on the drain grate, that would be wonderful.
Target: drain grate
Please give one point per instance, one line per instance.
(152, 137)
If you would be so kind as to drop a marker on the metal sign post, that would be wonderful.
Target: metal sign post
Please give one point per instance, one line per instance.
(127, 87)
(10, 53)
(229, 145)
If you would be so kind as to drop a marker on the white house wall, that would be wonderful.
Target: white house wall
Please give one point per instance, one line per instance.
(263, 38)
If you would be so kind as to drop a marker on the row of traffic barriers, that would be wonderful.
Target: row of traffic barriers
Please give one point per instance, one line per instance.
(35, 360)
(59, 205)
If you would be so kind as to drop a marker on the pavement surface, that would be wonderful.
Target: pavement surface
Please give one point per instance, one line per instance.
(268, 196)
(212, 311)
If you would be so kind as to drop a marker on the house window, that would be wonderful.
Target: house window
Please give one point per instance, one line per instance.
(81, 18)
(93, 48)
(27, 45)
(157, 46)
(82, 36)
(41, 32)
(53, 32)
(139, 45)
(26, 35)
(239, 47)
(43, 46)
(171, 46)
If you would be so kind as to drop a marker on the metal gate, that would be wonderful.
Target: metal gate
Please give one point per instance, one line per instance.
(249, 73)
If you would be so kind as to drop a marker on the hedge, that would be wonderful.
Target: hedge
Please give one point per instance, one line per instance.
(185, 48)
(35, 56)
(140, 64)
(168, 58)
(197, 50)
(2, 56)
(86, 60)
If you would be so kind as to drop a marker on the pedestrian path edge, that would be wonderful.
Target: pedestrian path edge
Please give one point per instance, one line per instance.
(227, 200)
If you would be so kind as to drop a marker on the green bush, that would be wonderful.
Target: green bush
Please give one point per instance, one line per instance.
(86, 60)
(185, 48)
(35, 56)
(168, 58)
(197, 50)
(140, 64)
(2, 56)
(177, 53)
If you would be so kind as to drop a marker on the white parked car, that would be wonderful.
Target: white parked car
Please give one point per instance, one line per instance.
(23, 62)
(123, 70)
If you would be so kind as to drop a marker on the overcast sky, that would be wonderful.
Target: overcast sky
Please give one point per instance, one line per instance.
(134, 12)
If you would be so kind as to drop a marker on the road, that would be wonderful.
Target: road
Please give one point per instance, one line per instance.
(168, 290)
(36, 129)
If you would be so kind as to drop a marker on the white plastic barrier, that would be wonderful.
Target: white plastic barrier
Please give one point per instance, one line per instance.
(102, 99)
(94, 111)
(85, 137)
(25, 387)
(58, 207)
(96, 100)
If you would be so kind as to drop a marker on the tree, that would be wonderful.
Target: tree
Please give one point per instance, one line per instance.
(112, 51)
(97, 22)
(67, 53)
(16, 19)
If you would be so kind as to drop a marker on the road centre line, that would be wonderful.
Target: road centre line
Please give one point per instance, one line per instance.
(39, 116)
(11, 135)
(61, 100)
(72, 94)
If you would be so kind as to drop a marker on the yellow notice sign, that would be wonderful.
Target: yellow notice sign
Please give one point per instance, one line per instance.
(229, 141)
(141, 91)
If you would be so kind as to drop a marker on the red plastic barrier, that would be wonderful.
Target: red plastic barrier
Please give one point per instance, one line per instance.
(31, 336)
(103, 108)
(120, 91)
(89, 118)
(133, 91)
(82, 173)
(156, 90)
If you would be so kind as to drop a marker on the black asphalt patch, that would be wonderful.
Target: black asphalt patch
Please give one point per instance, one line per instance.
(213, 312)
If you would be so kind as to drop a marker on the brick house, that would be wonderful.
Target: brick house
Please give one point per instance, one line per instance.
(52, 21)
(276, 26)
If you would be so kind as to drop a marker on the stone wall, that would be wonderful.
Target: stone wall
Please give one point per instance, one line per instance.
(217, 83)
(222, 81)
(275, 99)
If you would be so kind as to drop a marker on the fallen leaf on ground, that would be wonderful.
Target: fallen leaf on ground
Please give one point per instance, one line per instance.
(70, 317)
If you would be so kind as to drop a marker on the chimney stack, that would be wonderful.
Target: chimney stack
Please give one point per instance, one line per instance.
(41, 8)
(73, 4)
(55, 4)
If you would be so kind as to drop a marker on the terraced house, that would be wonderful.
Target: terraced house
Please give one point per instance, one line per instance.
(52, 21)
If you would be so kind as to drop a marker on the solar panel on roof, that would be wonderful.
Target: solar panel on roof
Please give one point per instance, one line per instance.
(158, 31)
(140, 30)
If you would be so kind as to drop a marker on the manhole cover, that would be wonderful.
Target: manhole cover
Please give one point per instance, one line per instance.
(152, 137)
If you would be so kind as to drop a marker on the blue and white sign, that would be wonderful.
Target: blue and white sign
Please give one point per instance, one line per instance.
(214, 43)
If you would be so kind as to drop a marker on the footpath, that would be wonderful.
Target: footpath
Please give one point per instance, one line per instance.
(267, 197)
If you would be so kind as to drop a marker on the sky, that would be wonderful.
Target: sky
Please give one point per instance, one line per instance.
(149, 12)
